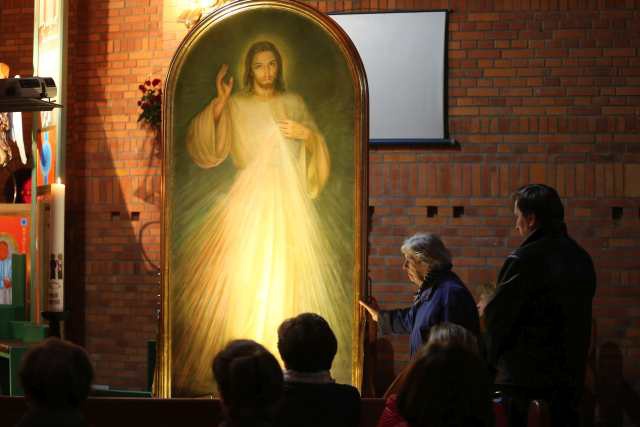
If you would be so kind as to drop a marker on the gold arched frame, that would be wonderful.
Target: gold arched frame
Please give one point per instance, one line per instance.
(162, 385)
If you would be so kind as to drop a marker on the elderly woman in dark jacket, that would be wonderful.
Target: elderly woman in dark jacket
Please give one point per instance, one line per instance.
(441, 296)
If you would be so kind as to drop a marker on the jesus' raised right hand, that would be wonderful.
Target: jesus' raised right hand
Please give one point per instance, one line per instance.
(223, 91)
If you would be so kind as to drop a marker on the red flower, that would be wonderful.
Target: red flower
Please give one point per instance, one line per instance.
(150, 103)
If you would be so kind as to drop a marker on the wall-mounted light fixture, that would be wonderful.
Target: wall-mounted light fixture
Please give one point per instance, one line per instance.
(194, 10)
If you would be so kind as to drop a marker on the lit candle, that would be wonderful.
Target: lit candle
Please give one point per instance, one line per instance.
(56, 258)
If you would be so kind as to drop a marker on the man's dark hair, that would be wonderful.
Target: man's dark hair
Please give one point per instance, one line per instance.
(542, 201)
(249, 379)
(307, 343)
(56, 374)
(256, 48)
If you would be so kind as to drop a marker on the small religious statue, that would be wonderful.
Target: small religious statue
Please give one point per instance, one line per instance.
(5, 148)
(5, 126)
(5, 273)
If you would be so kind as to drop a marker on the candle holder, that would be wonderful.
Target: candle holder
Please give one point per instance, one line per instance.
(54, 318)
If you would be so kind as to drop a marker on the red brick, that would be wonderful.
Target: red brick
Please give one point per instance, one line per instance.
(482, 92)
(500, 72)
(634, 91)
(463, 111)
(620, 52)
(491, 17)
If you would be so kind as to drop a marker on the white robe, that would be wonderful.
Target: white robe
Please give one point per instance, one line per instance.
(261, 255)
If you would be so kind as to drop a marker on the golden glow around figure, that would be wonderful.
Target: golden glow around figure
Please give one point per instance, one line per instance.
(262, 254)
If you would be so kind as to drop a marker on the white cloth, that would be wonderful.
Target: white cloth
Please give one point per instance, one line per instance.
(262, 254)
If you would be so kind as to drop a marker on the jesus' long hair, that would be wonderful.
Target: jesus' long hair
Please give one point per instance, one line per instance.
(256, 48)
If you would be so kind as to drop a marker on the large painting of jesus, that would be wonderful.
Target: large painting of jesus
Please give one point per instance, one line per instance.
(265, 190)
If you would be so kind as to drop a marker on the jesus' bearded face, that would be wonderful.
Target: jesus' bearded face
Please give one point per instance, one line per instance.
(264, 68)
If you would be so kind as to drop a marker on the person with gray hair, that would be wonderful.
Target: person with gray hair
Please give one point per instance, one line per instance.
(441, 296)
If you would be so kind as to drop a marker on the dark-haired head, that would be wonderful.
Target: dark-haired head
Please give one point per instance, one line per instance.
(447, 387)
(542, 204)
(254, 49)
(56, 374)
(307, 343)
(249, 379)
(450, 335)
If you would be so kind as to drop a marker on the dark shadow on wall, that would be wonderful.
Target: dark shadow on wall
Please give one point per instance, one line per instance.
(384, 373)
(378, 372)
(113, 289)
(148, 191)
(611, 396)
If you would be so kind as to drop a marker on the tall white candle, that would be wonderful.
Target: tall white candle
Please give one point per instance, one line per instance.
(56, 257)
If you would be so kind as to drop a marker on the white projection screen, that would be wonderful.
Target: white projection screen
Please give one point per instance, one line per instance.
(404, 57)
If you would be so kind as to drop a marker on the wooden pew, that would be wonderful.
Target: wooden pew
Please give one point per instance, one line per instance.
(137, 412)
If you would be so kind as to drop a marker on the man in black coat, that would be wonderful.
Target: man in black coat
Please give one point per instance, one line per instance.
(311, 397)
(538, 324)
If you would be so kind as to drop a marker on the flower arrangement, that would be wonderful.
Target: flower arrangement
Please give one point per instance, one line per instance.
(151, 104)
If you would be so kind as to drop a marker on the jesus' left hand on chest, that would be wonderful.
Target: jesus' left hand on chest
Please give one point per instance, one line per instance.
(294, 130)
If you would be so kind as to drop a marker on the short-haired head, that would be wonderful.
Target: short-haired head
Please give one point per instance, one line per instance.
(542, 201)
(254, 49)
(429, 248)
(249, 378)
(307, 343)
(56, 374)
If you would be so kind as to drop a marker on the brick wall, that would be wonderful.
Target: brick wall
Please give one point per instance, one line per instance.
(16, 50)
(16, 27)
(113, 181)
(538, 92)
(548, 96)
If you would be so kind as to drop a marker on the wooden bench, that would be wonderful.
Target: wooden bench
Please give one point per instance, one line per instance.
(136, 412)
(11, 353)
